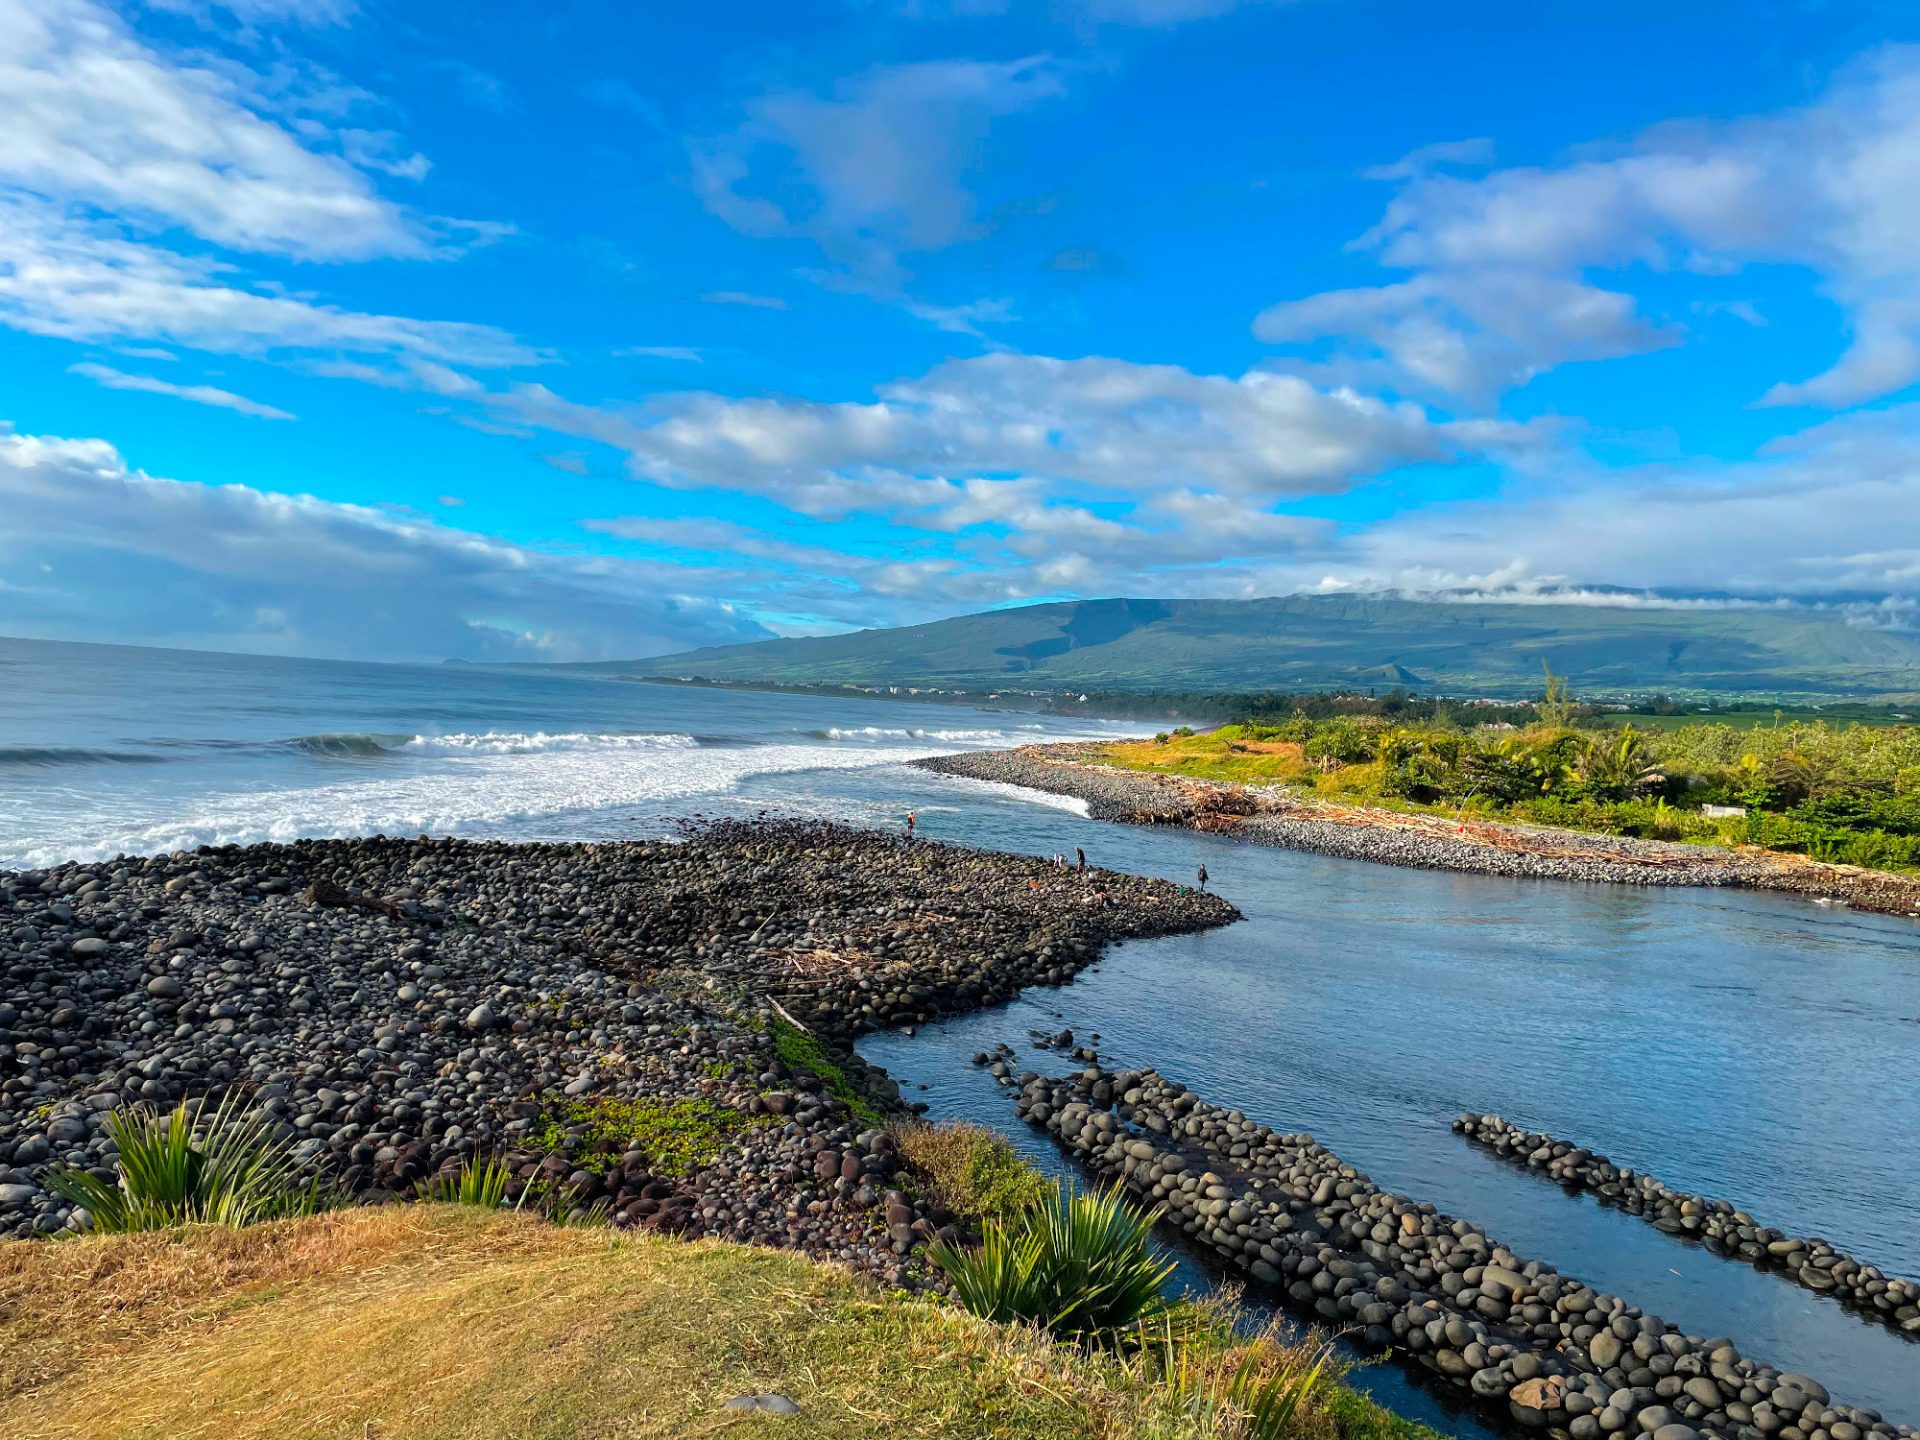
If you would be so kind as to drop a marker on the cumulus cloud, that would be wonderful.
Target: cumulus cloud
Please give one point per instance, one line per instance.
(1036, 475)
(1501, 263)
(112, 379)
(120, 165)
(1827, 511)
(93, 546)
(1104, 423)
(876, 167)
(96, 115)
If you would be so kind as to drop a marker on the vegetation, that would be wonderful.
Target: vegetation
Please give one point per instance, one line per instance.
(481, 1182)
(1844, 793)
(1080, 1266)
(440, 1322)
(677, 1136)
(805, 1054)
(976, 1173)
(193, 1166)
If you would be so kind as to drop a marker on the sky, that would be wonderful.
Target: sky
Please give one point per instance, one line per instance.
(412, 331)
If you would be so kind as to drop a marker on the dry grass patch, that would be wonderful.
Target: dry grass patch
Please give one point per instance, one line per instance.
(444, 1323)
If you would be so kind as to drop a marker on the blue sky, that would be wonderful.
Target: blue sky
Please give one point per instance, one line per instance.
(405, 330)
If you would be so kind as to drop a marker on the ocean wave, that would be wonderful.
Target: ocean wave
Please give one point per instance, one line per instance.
(359, 745)
(349, 745)
(47, 757)
(886, 732)
(513, 742)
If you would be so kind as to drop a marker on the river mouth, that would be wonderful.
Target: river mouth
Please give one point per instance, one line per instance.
(1738, 1045)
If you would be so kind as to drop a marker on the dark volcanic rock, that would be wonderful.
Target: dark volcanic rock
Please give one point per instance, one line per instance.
(1717, 1224)
(1548, 1350)
(540, 1003)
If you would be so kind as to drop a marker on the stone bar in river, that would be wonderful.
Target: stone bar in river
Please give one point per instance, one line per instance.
(1552, 1352)
(1718, 1224)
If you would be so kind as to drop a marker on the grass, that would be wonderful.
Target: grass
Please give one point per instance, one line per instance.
(803, 1053)
(439, 1322)
(976, 1173)
(199, 1163)
(677, 1136)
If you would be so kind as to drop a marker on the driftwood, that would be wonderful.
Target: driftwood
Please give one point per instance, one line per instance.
(337, 897)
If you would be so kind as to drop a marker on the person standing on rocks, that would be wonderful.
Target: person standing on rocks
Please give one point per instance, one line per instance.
(910, 823)
(1203, 877)
(1079, 858)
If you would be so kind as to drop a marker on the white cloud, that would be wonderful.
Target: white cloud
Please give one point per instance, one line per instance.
(81, 282)
(107, 376)
(741, 297)
(1030, 471)
(1830, 510)
(1502, 262)
(166, 561)
(114, 153)
(95, 115)
(262, 12)
(877, 167)
(662, 352)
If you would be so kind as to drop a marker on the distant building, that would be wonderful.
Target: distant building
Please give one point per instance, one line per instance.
(1723, 812)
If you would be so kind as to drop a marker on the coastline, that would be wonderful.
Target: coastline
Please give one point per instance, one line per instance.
(1273, 815)
(661, 1029)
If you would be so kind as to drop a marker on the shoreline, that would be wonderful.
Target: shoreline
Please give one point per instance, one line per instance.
(660, 1028)
(1272, 815)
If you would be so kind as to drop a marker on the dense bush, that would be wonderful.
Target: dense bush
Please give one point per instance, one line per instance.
(1848, 794)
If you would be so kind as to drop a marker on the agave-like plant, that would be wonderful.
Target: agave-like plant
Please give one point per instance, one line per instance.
(1081, 1266)
(194, 1165)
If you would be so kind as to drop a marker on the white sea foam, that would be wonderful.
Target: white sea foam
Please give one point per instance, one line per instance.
(495, 783)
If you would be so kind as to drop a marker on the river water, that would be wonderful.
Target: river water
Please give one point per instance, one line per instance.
(1747, 1046)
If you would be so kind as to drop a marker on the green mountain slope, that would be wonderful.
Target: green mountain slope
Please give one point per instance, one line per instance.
(1305, 642)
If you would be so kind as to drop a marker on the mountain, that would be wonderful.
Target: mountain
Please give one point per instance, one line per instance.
(1299, 642)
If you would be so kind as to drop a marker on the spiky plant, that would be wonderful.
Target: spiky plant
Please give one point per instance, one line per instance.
(481, 1182)
(1081, 1266)
(194, 1165)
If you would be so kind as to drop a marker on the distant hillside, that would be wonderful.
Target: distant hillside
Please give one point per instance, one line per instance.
(1368, 641)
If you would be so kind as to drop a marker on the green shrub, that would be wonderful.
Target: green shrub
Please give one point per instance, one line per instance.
(978, 1174)
(194, 1166)
(1080, 1266)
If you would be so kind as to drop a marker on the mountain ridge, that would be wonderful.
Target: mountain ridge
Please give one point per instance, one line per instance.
(1297, 642)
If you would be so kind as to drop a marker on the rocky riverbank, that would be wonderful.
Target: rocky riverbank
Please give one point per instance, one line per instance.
(1549, 1351)
(651, 1027)
(1272, 815)
(1807, 1260)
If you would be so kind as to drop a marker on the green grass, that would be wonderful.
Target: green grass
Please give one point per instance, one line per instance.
(199, 1164)
(804, 1054)
(677, 1136)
